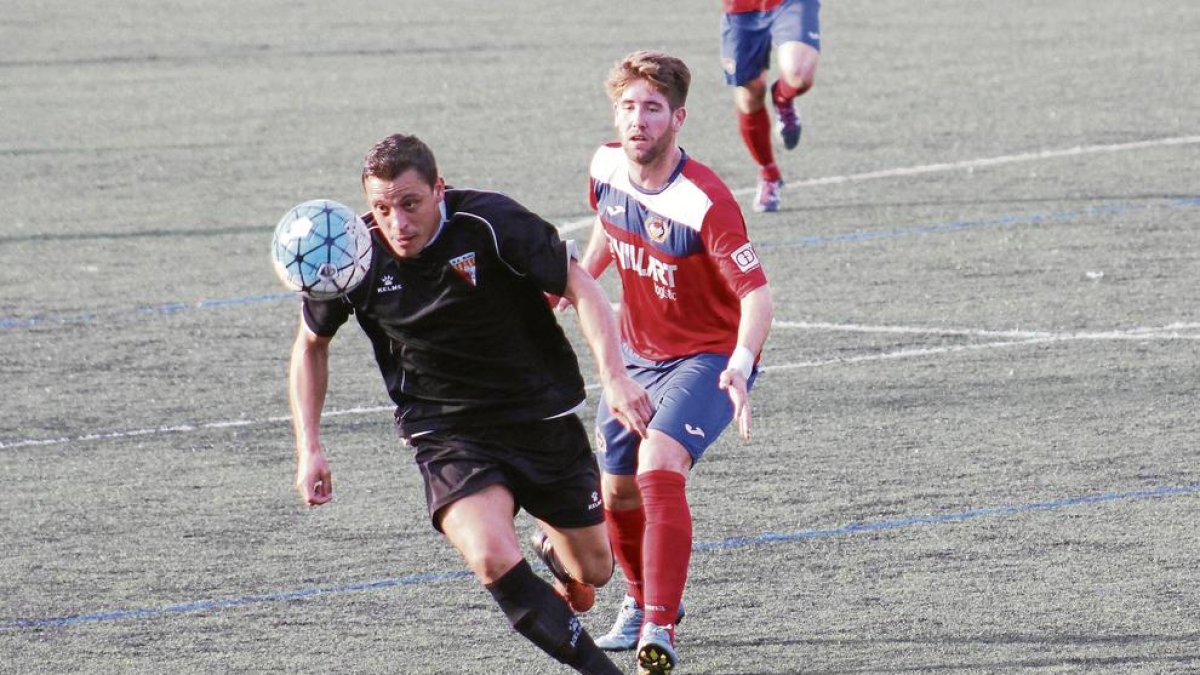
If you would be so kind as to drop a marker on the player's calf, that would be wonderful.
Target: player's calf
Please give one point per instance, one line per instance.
(579, 595)
(545, 620)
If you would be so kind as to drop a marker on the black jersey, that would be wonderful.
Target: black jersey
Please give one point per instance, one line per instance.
(462, 332)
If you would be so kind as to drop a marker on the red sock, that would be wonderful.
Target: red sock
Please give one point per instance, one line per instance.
(756, 134)
(668, 544)
(783, 92)
(625, 531)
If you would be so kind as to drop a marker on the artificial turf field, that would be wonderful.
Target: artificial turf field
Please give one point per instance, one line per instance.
(974, 444)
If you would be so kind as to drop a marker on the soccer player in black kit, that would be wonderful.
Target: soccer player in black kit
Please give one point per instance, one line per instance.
(485, 382)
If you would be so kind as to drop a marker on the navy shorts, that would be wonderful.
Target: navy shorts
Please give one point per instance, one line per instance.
(547, 465)
(689, 406)
(747, 38)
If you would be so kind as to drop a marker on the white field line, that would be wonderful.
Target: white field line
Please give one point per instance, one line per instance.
(907, 353)
(181, 428)
(1175, 331)
(964, 165)
(1016, 338)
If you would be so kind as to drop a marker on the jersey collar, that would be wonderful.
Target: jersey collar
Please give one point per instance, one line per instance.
(441, 225)
(683, 157)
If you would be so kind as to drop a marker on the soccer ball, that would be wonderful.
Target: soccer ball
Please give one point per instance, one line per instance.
(321, 249)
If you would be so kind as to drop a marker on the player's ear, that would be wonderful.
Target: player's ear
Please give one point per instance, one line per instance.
(678, 115)
(439, 188)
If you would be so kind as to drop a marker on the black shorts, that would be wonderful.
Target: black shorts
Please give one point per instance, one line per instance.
(547, 465)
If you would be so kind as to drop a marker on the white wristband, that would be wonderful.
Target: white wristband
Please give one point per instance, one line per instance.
(742, 360)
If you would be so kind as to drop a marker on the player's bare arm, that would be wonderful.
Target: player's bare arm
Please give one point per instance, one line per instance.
(757, 313)
(595, 258)
(628, 399)
(308, 378)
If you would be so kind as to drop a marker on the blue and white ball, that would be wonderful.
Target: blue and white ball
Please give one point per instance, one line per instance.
(321, 249)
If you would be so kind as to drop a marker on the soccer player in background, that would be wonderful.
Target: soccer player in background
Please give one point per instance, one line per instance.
(696, 310)
(749, 29)
(485, 383)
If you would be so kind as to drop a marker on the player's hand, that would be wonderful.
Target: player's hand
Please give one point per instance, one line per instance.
(630, 404)
(733, 381)
(314, 481)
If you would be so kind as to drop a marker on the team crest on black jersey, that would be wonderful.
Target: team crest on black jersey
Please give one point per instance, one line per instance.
(657, 228)
(465, 266)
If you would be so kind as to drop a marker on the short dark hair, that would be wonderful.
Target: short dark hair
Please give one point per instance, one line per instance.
(668, 75)
(398, 153)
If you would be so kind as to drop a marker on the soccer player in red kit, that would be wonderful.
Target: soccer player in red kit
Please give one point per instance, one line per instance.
(696, 310)
(749, 29)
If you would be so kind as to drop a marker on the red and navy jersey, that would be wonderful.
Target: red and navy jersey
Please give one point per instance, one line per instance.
(683, 255)
(742, 6)
(462, 332)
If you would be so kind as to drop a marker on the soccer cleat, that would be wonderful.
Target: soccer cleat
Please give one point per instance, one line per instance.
(788, 127)
(655, 655)
(578, 595)
(625, 630)
(766, 200)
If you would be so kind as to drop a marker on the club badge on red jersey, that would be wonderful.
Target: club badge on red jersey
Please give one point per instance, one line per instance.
(657, 228)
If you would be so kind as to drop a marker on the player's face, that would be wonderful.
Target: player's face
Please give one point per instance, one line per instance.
(645, 122)
(407, 210)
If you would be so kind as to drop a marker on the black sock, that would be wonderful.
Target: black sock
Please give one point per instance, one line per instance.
(538, 613)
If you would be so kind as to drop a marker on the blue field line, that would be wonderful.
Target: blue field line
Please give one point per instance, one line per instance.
(947, 518)
(173, 307)
(700, 547)
(10, 323)
(211, 605)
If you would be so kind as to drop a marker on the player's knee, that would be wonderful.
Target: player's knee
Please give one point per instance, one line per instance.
(749, 101)
(663, 453)
(489, 563)
(597, 568)
(621, 493)
(800, 74)
(798, 65)
(801, 82)
(622, 501)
